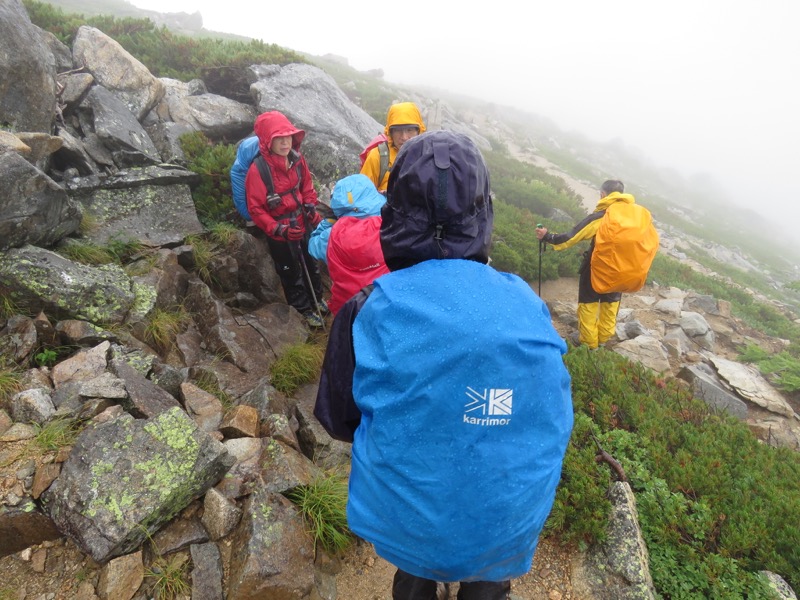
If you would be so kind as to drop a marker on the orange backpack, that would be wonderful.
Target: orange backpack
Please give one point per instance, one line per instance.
(624, 248)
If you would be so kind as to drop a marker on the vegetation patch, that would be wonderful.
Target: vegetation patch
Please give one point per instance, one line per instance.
(298, 365)
(164, 325)
(212, 162)
(323, 504)
(169, 576)
(714, 503)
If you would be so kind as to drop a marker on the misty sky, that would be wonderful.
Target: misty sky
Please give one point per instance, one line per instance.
(703, 86)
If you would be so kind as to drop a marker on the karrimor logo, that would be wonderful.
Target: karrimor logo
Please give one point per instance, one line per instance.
(488, 407)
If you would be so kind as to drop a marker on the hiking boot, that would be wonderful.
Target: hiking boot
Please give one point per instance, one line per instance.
(313, 320)
(323, 308)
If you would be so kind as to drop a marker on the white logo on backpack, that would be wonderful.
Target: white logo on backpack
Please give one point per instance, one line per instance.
(488, 403)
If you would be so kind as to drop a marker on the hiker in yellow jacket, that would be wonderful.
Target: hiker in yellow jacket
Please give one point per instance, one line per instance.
(597, 313)
(403, 122)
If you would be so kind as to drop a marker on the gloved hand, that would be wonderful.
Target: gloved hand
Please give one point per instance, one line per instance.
(280, 230)
(294, 234)
(325, 210)
(312, 216)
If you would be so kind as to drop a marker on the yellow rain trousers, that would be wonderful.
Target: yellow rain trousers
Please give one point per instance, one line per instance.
(597, 322)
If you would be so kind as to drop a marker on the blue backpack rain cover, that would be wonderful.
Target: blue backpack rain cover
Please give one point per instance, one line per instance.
(245, 154)
(466, 415)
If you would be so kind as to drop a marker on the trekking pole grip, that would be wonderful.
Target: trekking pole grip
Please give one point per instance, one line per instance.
(542, 243)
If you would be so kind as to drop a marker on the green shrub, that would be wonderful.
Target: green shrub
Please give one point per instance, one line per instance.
(782, 369)
(515, 248)
(46, 358)
(715, 503)
(212, 197)
(164, 53)
(581, 509)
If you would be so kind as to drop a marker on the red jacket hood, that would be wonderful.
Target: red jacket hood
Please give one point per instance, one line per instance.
(272, 124)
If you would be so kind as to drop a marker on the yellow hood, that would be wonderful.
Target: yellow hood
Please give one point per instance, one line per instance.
(403, 113)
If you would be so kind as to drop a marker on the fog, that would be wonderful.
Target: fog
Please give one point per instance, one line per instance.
(705, 87)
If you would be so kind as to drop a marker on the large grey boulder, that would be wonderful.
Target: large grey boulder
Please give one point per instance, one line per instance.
(127, 477)
(34, 209)
(116, 70)
(336, 129)
(216, 116)
(272, 554)
(27, 72)
(45, 281)
(152, 206)
(707, 386)
(117, 129)
(750, 384)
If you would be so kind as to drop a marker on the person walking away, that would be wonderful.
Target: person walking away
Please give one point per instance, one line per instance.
(288, 213)
(403, 122)
(350, 243)
(597, 313)
(448, 378)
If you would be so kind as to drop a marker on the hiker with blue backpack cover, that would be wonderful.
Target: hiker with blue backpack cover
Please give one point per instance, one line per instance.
(403, 122)
(447, 377)
(282, 202)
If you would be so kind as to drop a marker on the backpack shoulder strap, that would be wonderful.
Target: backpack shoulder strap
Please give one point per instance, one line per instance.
(266, 174)
(383, 150)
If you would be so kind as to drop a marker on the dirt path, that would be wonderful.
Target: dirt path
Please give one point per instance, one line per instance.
(366, 576)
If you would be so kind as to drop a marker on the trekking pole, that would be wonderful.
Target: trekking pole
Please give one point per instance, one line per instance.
(541, 251)
(309, 284)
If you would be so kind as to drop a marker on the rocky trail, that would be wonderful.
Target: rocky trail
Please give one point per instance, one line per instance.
(58, 570)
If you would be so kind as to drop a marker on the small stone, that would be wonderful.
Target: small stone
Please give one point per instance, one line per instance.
(38, 560)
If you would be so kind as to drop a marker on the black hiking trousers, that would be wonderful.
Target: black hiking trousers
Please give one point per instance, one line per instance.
(288, 265)
(410, 587)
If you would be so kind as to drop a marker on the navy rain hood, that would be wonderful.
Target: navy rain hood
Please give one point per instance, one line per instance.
(438, 202)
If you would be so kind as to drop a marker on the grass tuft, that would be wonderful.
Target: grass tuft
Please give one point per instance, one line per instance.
(204, 253)
(171, 575)
(10, 378)
(56, 434)
(323, 504)
(86, 253)
(8, 308)
(208, 383)
(163, 325)
(298, 365)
